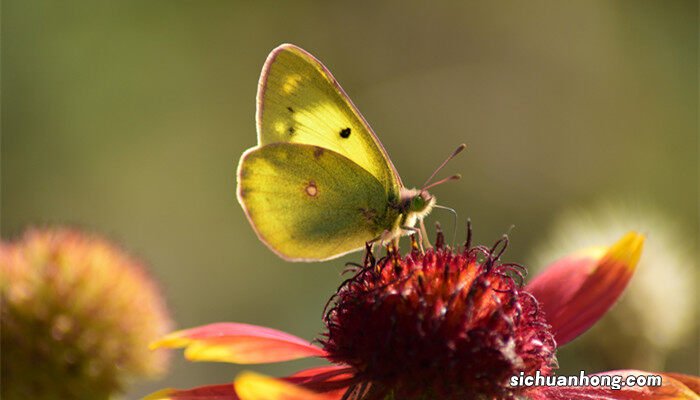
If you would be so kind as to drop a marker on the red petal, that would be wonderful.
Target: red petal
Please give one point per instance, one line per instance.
(239, 343)
(670, 389)
(577, 290)
(213, 392)
(315, 371)
(324, 379)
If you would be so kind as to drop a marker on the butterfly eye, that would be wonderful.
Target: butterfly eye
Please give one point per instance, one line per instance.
(418, 203)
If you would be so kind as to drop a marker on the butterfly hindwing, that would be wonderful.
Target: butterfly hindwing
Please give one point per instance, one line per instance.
(299, 101)
(310, 203)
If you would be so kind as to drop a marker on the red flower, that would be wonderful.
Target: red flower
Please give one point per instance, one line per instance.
(441, 324)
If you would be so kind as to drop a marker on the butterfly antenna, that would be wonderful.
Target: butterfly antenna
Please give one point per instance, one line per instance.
(454, 153)
(455, 177)
(452, 210)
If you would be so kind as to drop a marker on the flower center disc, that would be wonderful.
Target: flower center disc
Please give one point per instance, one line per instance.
(444, 324)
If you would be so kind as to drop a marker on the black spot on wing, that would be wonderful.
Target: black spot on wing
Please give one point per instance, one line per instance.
(290, 109)
(318, 152)
(345, 133)
(291, 130)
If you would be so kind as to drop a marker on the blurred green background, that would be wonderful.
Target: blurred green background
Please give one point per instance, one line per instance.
(128, 118)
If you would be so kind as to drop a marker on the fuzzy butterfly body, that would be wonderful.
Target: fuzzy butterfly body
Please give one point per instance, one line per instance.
(319, 184)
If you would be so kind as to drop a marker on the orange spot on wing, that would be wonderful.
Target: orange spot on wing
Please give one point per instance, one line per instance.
(311, 189)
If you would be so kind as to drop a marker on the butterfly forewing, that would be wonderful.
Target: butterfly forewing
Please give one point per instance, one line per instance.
(299, 101)
(308, 203)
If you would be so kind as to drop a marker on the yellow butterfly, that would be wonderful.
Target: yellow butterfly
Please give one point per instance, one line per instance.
(319, 184)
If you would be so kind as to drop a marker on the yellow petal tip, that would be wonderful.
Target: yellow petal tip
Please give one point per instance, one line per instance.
(627, 250)
(250, 385)
(210, 352)
(253, 386)
(171, 341)
(159, 395)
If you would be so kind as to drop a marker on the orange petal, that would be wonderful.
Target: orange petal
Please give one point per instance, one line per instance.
(670, 389)
(576, 291)
(692, 382)
(238, 343)
(252, 386)
(213, 392)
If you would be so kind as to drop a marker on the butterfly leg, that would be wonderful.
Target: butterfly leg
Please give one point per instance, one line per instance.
(381, 239)
(425, 235)
(418, 233)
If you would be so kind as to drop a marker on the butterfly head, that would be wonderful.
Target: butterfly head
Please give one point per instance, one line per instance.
(422, 202)
(417, 203)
